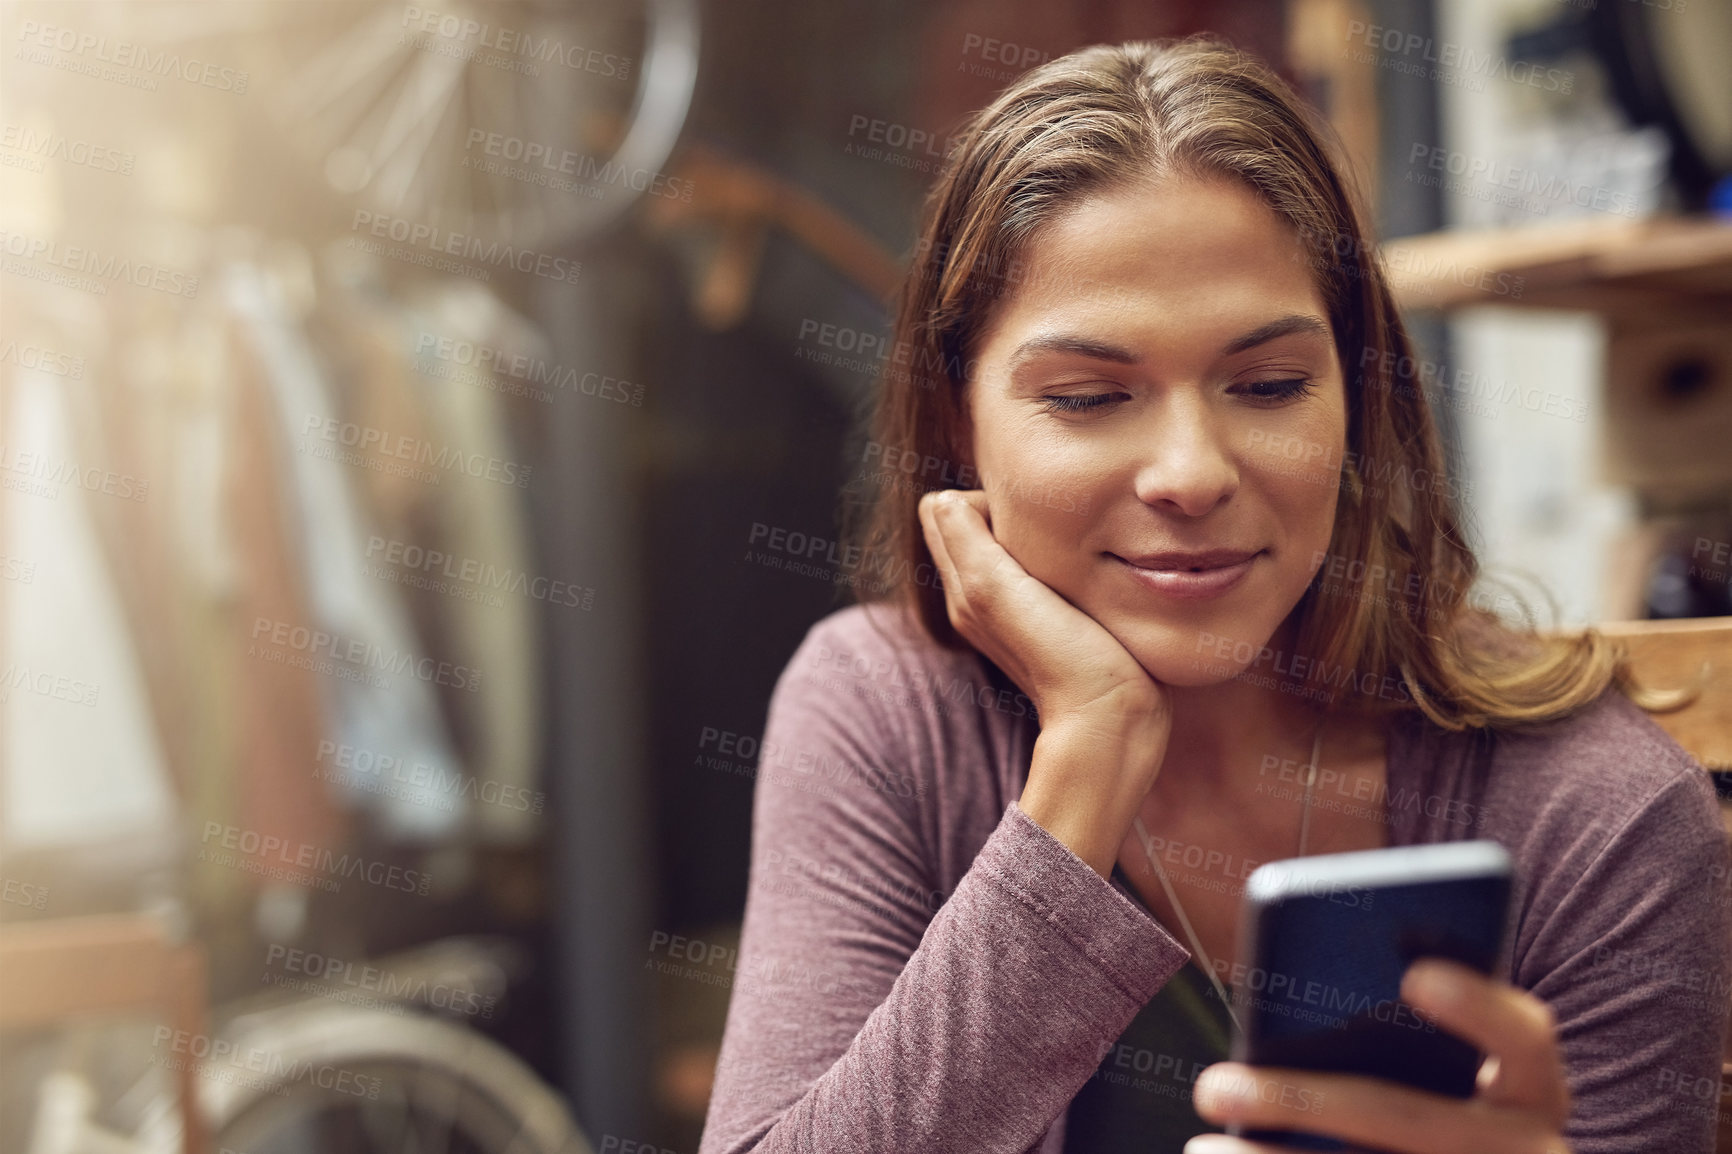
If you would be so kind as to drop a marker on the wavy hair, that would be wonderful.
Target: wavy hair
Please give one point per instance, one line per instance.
(1107, 115)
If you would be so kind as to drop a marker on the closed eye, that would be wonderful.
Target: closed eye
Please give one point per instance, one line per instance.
(1280, 390)
(1275, 391)
(1077, 402)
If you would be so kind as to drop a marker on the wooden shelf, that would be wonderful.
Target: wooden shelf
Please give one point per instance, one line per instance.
(1674, 266)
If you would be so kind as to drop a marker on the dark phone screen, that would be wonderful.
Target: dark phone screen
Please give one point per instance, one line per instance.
(1325, 993)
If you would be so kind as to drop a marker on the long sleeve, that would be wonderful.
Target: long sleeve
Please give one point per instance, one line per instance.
(1636, 970)
(867, 1015)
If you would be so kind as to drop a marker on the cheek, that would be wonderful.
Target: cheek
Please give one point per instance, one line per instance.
(1298, 467)
(1056, 505)
(1041, 517)
(1045, 479)
(1305, 459)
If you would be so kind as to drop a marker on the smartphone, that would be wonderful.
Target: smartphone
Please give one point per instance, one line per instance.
(1327, 940)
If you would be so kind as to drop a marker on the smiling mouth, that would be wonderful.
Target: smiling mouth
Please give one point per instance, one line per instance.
(1197, 563)
(1195, 578)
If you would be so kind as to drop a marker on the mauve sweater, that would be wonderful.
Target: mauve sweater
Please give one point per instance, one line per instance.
(924, 969)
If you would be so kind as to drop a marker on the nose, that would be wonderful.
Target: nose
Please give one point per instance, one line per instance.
(1187, 465)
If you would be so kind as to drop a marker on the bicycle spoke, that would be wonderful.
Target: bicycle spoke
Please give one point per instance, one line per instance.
(441, 1089)
(452, 1094)
(379, 1113)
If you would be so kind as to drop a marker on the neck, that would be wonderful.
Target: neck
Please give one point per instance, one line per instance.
(1226, 738)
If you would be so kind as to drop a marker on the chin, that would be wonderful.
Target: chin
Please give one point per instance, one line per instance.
(1182, 672)
(1194, 655)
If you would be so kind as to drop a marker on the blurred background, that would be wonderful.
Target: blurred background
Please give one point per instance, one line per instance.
(423, 433)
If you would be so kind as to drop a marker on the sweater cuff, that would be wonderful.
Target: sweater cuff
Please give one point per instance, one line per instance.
(1026, 861)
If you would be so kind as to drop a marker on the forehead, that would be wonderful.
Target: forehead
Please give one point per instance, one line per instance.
(1179, 256)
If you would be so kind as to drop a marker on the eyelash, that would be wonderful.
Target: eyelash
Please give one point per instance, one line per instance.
(1077, 402)
(1289, 390)
(1074, 403)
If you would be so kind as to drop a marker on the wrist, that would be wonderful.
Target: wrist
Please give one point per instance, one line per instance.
(1087, 781)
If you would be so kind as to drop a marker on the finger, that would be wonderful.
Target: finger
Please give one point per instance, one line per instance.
(1511, 1025)
(1368, 1112)
(977, 499)
(1227, 1144)
(961, 514)
(985, 567)
(969, 592)
(935, 544)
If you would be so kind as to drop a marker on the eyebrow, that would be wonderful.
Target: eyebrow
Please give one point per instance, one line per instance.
(1102, 351)
(1280, 327)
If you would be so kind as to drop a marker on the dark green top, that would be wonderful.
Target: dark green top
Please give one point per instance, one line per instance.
(1139, 1100)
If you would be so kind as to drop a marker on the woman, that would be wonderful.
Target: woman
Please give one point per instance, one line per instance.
(1204, 609)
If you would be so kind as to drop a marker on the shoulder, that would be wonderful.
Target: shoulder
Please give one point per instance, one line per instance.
(1606, 816)
(1604, 788)
(872, 631)
(947, 732)
(1603, 764)
(867, 680)
(875, 658)
(1591, 770)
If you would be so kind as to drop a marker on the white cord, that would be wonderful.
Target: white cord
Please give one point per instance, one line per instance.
(1310, 780)
(1184, 921)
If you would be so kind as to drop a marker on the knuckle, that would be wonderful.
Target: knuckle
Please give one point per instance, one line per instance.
(1542, 1022)
(982, 594)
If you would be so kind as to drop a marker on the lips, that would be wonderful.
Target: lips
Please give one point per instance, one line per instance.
(1190, 576)
(1190, 562)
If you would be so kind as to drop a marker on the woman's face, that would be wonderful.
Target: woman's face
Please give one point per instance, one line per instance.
(1158, 419)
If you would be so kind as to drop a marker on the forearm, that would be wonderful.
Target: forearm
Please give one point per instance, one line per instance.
(985, 1035)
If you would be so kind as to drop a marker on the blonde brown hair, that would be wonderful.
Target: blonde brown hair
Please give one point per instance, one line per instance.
(1108, 115)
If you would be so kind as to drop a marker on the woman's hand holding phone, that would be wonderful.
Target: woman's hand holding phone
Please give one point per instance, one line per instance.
(1520, 1106)
(1104, 720)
